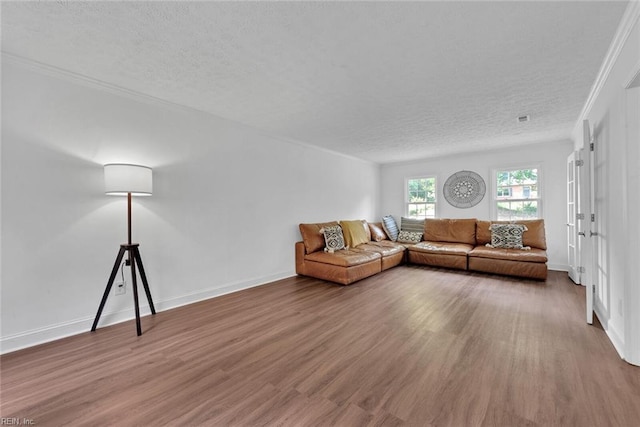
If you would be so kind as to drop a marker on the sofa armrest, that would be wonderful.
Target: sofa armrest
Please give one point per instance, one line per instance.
(300, 253)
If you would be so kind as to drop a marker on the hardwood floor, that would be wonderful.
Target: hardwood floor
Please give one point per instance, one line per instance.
(411, 346)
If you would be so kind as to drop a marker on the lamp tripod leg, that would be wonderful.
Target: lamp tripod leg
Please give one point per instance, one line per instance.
(134, 285)
(143, 276)
(114, 271)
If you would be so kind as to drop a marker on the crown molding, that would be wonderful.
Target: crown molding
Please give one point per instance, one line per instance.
(93, 83)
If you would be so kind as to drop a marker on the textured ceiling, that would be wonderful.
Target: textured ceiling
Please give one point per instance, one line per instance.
(382, 81)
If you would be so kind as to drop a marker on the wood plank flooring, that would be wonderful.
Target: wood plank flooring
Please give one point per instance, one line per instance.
(413, 346)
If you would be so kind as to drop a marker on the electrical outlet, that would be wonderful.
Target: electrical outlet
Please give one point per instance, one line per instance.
(120, 289)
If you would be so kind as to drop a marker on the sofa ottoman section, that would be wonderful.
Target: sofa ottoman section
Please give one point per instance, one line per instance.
(344, 266)
(440, 254)
(446, 243)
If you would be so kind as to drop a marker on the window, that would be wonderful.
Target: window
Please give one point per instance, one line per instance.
(517, 194)
(421, 197)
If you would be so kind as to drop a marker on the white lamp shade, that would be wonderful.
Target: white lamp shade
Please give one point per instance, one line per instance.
(120, 179)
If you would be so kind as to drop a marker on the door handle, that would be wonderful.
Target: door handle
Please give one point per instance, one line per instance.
(581, 233)
(591, 233)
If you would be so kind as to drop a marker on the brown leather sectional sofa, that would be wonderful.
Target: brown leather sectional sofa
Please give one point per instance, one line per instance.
(450, 243)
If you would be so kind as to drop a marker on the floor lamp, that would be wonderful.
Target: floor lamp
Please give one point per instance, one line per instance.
(127, 180)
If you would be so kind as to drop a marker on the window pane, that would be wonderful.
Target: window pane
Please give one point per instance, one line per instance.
(504, 192)
(503, 178)
(430, 211)
(530, 210)
(417, 196)
(523, 176)
(504, 210)
(516, 209)
(430, 189)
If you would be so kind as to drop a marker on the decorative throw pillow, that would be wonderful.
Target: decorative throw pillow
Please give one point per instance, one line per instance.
(507, 236)
(377, 233)
(334, 240)
(412, 224)
(409, 237)
(390, 227)
(355, 232)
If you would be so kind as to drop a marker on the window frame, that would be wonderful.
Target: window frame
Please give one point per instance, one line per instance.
(406, 196)
(494, 189)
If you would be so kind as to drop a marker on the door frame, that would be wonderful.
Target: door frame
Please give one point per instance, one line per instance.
(587, 227)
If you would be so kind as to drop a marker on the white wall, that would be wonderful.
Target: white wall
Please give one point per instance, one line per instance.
(613, 111)
(223, 216)
(552, 158)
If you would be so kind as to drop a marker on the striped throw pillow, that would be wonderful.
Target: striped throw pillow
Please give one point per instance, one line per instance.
(412, 225)
(390, 227)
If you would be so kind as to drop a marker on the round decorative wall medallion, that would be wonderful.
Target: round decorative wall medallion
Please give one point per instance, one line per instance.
(464, 189)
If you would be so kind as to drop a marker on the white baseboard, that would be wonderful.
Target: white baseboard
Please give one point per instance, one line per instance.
(612, 333)
(34, 337)
(558, 267)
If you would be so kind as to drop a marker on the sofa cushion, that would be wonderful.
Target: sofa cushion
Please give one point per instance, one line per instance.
(390, 227)
(533, 255)
(412, 224)
(442, 248)
(333, 238)
(377, 233)
(534, 236)
(312, 237)
(409, 236)
(388, 244)
(344, 258)
(507, 236)
(355, 232)
(385, 248)
(450, 230)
